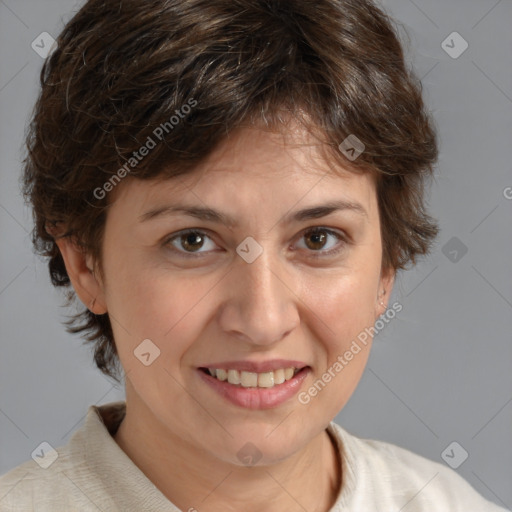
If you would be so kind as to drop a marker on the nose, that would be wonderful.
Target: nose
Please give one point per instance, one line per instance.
(261, 304)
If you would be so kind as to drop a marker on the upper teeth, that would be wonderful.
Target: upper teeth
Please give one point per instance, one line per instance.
(253, 380)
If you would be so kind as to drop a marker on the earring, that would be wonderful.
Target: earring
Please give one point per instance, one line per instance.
(382, 303)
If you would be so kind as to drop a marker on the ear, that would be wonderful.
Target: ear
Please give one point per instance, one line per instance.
(80, 269)
(387, 279)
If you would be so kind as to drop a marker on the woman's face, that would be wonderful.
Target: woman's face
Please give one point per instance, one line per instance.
(276, 289)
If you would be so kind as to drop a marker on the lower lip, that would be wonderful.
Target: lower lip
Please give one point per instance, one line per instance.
(257, 398)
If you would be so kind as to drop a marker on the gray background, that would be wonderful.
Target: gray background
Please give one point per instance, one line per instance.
(439, 372)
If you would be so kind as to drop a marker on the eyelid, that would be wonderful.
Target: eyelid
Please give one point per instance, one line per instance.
(202, 231)
(342, 236)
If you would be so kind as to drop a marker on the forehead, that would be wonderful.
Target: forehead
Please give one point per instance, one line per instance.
(292, 151)
(252, 167)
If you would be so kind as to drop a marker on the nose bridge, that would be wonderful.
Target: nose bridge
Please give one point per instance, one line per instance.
(261, 305)
(263, 285)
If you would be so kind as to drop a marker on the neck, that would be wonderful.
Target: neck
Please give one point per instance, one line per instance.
(195, 480)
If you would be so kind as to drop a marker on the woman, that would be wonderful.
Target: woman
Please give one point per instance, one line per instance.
(230, 189)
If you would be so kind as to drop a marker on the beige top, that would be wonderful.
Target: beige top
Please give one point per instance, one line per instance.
(92, 473)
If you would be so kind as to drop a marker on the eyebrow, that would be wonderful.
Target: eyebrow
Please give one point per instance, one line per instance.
(209, 214)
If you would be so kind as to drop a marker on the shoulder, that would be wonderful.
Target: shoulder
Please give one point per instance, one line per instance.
(28, 483)
(69, 477)
(397, 477)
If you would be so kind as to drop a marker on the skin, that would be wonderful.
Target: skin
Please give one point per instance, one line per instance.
(286, 304)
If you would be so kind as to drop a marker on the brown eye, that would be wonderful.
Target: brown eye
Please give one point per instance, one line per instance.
(324, 241)
(189, 242)
(317, 240)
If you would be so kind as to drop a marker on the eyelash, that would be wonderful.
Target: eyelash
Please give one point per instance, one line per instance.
(319, 254)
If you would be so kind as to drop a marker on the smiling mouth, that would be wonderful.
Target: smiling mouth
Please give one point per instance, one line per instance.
(252, 379)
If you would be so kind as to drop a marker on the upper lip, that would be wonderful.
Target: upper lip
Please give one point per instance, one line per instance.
(256, 367)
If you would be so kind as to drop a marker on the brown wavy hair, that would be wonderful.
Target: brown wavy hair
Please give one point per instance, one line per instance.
(122, 69)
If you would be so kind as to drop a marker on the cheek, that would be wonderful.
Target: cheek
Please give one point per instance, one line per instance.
(342, 313)
(344, 306)
(162, 306)
(345, 300)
